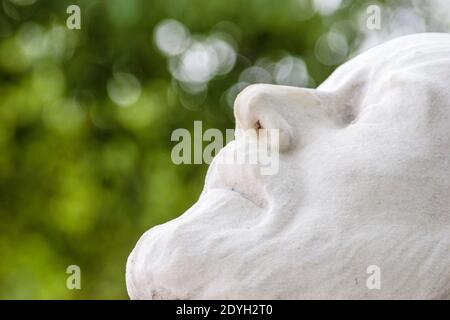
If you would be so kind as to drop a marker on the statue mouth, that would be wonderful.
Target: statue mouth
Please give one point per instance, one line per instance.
(234, 192)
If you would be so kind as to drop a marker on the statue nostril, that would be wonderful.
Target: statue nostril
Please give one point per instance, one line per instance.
(258, 125)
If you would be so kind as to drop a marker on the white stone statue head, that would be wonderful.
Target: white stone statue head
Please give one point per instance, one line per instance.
(360, 205)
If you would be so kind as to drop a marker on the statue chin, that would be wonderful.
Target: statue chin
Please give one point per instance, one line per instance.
(358, 208)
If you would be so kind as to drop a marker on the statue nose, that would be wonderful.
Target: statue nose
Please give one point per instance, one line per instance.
(257, 108)
(298, 113)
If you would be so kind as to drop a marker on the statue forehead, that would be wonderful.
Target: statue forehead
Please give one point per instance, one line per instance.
(414, 52)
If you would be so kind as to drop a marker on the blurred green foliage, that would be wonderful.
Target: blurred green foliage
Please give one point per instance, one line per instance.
(83, 173)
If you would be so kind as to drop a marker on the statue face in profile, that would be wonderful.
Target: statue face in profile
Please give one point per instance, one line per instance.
(359, 206)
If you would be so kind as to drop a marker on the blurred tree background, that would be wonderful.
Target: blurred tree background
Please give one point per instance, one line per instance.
(86, 115)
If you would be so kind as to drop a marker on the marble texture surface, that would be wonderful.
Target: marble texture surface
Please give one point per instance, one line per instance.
(364, 179)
